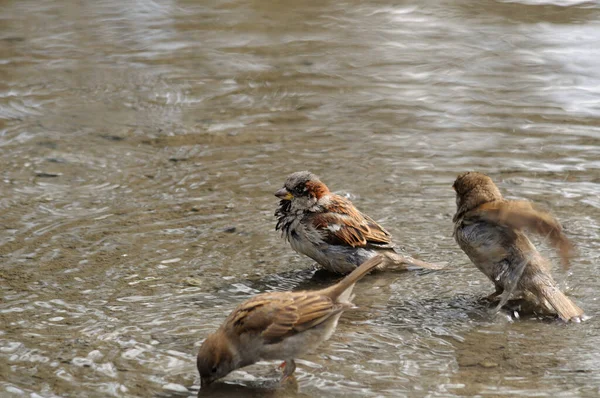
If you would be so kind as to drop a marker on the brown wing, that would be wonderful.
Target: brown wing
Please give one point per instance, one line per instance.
(282, 314)
(343, 224)
(522, 215)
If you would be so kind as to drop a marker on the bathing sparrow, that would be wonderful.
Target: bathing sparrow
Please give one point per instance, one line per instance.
(491, 231)
(329, 229)
(278, 325)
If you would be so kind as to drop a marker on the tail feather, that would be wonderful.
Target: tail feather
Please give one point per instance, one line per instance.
(566, 309)
(346, 284)
(396, 259)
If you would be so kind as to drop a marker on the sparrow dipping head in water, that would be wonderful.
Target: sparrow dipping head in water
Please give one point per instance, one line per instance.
(279, 325)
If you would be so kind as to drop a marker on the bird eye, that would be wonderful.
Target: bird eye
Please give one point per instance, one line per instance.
(214, 369)
(300, 189)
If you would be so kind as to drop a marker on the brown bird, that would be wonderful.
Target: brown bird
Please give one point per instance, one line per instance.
(329, 229)
(279, 325)
(491, 231)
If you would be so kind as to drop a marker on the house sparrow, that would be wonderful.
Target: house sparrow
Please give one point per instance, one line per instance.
(490, 230)
(279, 325)
(329, 229)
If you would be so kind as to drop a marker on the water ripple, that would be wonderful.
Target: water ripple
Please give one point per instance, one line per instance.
(142, 143)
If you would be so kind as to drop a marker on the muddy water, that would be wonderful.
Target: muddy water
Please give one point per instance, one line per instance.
(141, 142)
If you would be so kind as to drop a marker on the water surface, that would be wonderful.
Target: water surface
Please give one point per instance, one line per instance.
(141, 143)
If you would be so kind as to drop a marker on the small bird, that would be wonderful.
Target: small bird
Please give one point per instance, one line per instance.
(490, 230)
(329, 229)
(278, 325)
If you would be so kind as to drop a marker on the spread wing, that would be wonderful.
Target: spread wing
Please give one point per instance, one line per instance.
(343, 224)
(522, 215)
(282, 314)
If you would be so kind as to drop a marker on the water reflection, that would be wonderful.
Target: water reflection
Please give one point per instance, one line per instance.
(253, 389)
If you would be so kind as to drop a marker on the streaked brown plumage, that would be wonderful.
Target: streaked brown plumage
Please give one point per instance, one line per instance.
(491, 231)
(329, 229)
(279, 325)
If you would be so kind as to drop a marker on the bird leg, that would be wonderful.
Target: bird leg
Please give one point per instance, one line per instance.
(495, 296)
(288, 366)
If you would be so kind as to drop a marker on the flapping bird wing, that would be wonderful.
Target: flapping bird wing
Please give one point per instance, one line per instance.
(522, 215)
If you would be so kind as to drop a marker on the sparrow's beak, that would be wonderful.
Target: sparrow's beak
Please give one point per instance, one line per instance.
(284, 194)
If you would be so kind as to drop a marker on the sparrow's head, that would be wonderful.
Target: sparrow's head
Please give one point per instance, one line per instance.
(473, 189)
(216, 358)
(303, 189)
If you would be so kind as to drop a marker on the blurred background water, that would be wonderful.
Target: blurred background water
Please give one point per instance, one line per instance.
(141, 142)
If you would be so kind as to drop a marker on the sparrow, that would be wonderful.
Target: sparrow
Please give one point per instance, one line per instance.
(492, 232)
(329, 229)
(278, 325)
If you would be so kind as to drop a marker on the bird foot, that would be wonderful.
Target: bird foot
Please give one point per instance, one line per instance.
(494, 296)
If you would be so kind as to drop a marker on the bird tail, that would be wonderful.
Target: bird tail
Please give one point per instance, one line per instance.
(343, 288)
(406, 262)
(566, 309)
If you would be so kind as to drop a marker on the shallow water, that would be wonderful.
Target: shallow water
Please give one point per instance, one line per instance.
(141, 143)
